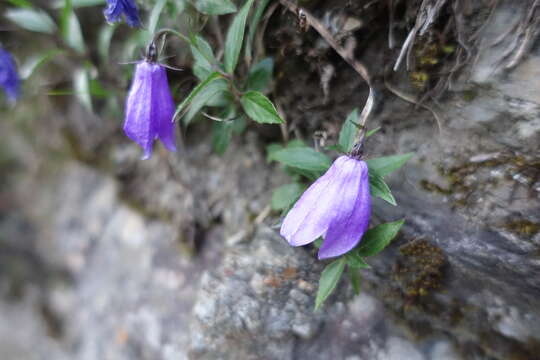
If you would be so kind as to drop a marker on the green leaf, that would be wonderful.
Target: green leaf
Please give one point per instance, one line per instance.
(387, 164)
(377, 238)
(260, 75)
(378, 188)
(259, 108)
(221, 136)
(348, 132)
(372, 131)
(81, 84)
(71, 29)
(329, 280)
(317, 243)
(34, 62)
(235, 38)
(201, 86)
(104, 41)
(355, 261)
(214, 90)
(21, 3)
(32, 20)
(79, 3)
(155, 14)
(286, 195)
(354, 276)
(215, 7)
(254, 22)
(203, 56)
(304, 158)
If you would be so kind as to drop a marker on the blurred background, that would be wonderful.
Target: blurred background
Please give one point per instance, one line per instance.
(105, 256)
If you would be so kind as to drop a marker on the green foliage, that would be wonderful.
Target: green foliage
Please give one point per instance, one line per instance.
(221, 135)
(200, 87)
(388, 164)
(215, 7)
(304, 158)
(254, 22)
(208, 95)
(32, 20)
(354, 277)
(235, 38)
(286, 195)
(260, 75)
(377, 238)
(81, 85)
(153, 20)
(348, 132)
(355, 261)
(378, 188)
(71, 29)
(259, 108)
(104, 41)
(34, 62)
(329, 280)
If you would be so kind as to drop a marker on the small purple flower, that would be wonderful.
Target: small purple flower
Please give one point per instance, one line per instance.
(150, 108)
(116, 8)
(336, 206)
(9, 78)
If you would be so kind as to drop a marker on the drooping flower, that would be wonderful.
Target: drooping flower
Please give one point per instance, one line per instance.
(9, 78)
(150, 108)
(116, 8)
(337, 206)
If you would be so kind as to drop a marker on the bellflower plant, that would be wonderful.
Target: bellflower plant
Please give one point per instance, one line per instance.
(150, 106)
(116, 8)
(336, 206)
(9, 78)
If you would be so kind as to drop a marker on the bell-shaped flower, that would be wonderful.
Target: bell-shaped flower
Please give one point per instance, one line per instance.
(337, 207)
(9, 78)
(150, 108)
(116, 8)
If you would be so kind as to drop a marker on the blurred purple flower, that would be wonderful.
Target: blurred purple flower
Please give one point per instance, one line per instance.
(116, 8)
(150, 108)
(336, 206)
(9, 78)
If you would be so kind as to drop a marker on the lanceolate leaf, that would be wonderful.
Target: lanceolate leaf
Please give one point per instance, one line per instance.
(259, 108)
(348, 132)
(71, 29)
(235, 38)
(354, 276)
(253, 23)
(212, 77)
(377, 238)
(206, 96)
(378, 188)
(155, 14)
(329, 280)
(355, 261)
(215, 7)
(30, 19)
(304, 158)
(387, 164)
(285, 196)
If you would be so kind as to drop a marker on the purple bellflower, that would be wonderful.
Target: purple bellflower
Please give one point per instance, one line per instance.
(116, 8)
(150, 106)
(9, 78)
(336, 206)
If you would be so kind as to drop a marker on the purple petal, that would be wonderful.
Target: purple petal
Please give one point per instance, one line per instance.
(163, 109)
(116, 8)
(138, 122)
(352, 218)
(9, 78)
(312, 213)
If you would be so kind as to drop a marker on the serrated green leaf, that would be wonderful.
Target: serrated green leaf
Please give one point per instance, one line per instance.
(260, 75)
(32, 20)
(253, 23)
(259, 108)
(387, 164)
(215, 7)
(235, 38)
(355, 261)
(348, 132)
(201, 86)
(34, 62)
(71, 29)
(104, 41)
(203, 56)
(329, 280)
(221, 136)
(377, 238)
(153, 20)
(378, 188)
(286, 195)
(304, 158)
(354, 276)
